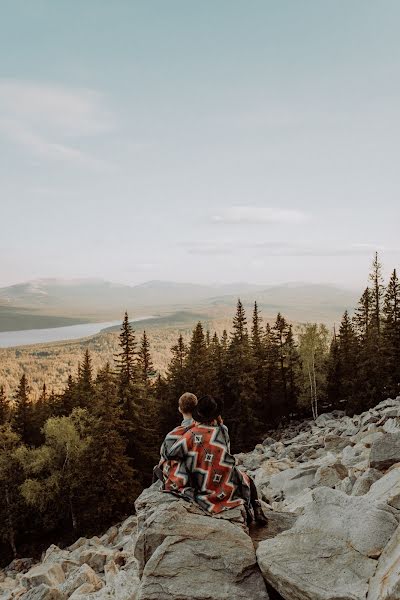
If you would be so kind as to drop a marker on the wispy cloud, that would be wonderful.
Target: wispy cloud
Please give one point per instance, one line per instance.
(51, 121)
(256, 215)
(211, 248)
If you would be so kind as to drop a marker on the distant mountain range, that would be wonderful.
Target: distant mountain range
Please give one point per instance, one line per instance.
(94, 299)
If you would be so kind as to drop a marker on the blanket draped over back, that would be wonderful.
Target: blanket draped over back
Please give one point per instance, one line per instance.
(197, 464)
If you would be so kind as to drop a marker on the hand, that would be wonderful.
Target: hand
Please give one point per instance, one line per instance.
(220, 420)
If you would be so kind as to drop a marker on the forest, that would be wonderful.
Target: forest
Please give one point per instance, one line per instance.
(72, 463)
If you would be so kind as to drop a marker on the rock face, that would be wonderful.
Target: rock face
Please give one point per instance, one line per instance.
(183, 553)
(332, 488)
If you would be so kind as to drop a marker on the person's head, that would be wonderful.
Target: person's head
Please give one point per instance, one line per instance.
(208, 409)
(187, 403)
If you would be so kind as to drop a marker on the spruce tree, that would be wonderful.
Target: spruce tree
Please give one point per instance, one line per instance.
(4, 406)
(198, 374)
(22, 411)
(126, 358)
(377, 292)
(348, 359)
(280, 331)
(146, 367)
(84, 387)
(241, 397)
(369, 380)
(40, 413)
(391, 336)
(12, 508)
(112, 484)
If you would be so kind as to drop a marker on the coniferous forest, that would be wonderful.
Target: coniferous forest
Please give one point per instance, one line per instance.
(73, 463)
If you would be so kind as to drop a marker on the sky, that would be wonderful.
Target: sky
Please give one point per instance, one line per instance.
(213, 141)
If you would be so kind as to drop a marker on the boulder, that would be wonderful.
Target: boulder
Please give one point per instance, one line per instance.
(82, 575)
(330, 475)
(387, 488)
(186, 554)
(364, 482)
(385, 451)
(43, 592)
(385, 584)
(82, 591)
(49, 574)
(336, 534)
(290, 482)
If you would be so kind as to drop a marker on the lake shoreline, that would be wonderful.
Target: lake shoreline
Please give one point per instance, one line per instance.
(69, 333)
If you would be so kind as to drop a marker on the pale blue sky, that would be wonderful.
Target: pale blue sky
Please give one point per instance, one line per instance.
(199, 141)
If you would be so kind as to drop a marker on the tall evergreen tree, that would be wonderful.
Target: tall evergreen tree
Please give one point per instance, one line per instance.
(377, 292)
(12, 507)
(146, 367)
(293, 368)
(197, 366)
(22, 411)
(370, 376)
(126, 358)
(111, 483)
(4, 406)
(391, 336)
(84, 387)
(241, 398)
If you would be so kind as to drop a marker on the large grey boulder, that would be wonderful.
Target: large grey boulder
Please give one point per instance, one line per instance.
(387, 488)
(385, 451)
(188, 555)
(364, 482)
(43, 592)
(290, 482)
(385, 584)
(329, 553)
(48, 574)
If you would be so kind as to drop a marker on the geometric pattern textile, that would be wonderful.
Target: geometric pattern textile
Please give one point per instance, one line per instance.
(197, 464)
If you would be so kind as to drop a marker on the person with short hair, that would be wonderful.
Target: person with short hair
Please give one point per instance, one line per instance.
(211, 477)
(172, 472)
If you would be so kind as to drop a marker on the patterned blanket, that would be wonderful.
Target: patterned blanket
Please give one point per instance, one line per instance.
(197, 464)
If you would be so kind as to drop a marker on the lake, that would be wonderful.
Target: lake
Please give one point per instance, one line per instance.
(9, 339)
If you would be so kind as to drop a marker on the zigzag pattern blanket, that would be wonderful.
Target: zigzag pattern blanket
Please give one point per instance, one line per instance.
(197, 464)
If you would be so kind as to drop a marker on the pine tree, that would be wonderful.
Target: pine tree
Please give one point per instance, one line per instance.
(84, 387)
(4, 406)
(377, 292)
(333, 373)
(293, 369)
(391, 336)
(40, 413)
(111, 484)
(126, 359)
(196, 363)
(22, 411)
(241, 397)
(67, 400)
(146, 367)
(259, 360)
(280, 331)
(369, 381)
(12, 508)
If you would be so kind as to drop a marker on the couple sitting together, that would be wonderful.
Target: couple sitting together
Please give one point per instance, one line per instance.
(197, 465)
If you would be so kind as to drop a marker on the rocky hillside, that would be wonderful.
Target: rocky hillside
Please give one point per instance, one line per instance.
(332, 491)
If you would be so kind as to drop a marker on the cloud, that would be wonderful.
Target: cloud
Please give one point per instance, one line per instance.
(51, 121)
(258, 215)
(262, 249)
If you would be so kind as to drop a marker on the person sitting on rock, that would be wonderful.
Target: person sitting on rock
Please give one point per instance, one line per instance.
(208, 473)
(169, 471)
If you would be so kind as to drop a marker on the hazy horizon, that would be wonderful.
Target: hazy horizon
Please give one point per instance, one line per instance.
(197, 143)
